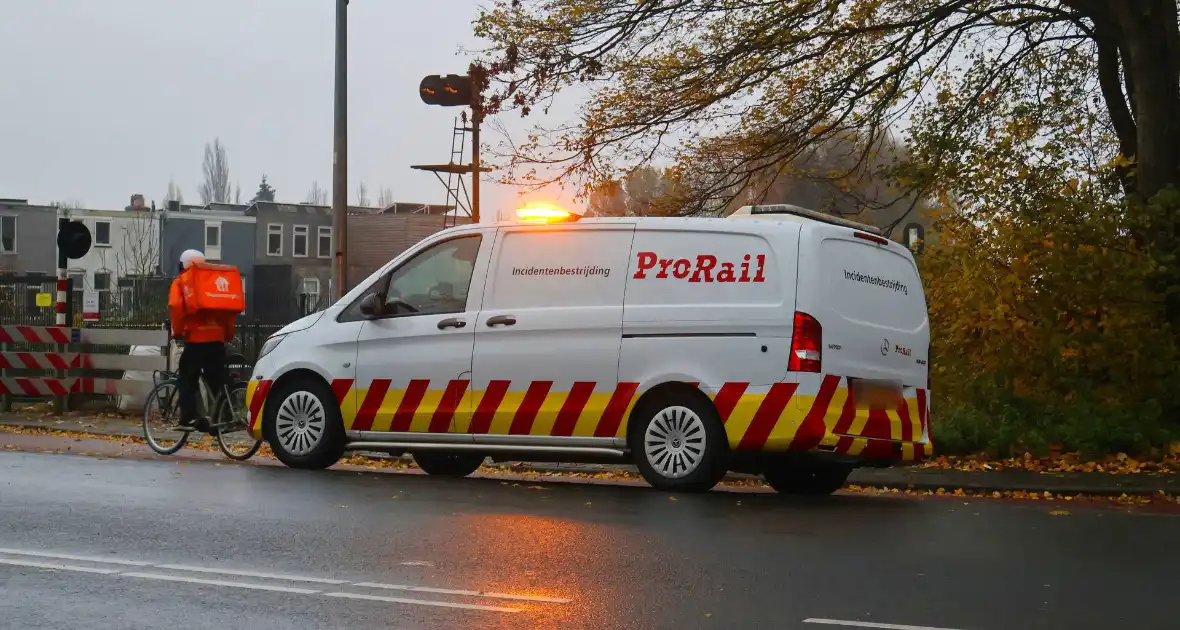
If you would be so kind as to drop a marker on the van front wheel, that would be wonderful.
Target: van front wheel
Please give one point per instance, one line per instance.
(679, 444)
(302, 423)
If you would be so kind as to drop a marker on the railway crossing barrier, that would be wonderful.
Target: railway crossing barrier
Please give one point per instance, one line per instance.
(78, 372)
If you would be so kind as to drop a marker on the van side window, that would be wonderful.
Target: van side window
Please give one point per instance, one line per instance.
(435, 281)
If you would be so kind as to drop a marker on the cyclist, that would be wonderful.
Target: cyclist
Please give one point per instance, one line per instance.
(204, 333)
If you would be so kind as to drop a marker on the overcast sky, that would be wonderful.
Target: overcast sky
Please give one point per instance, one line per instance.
(103, 98)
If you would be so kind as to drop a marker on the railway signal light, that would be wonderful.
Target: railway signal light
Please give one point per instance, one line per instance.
(73, 239)
(452, 90)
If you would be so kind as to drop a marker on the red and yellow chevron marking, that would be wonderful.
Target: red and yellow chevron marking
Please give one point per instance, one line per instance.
(784, 416)
(256, 392)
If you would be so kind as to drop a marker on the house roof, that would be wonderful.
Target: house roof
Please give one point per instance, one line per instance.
(397, 207)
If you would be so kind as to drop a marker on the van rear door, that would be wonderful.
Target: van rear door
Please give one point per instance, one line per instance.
(867, 296)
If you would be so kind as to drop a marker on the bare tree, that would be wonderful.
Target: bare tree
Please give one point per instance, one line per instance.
(238, 194)
(140, 254)
(71, 204)
(362, 195)
(174, 193)
(384, 198)
(317, 196)
(215, 188)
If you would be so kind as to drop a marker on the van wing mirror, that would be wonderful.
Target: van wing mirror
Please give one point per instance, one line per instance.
(372, 305)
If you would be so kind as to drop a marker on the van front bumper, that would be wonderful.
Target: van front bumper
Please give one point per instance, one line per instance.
(256, 393)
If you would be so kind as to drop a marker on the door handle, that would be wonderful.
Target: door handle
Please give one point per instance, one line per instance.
(452, 322)
(506, 320)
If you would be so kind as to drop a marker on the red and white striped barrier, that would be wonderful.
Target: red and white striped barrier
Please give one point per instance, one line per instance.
(37, 360)
(97, 336)
(59, 361)
(35, 334)
(63, 384)
(33, 387)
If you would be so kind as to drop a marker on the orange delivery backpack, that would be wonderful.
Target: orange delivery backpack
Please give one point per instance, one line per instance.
(211, 288)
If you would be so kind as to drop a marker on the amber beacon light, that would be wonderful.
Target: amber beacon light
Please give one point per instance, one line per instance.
(545, 214)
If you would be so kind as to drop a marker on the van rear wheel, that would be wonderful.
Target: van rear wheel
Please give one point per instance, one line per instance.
(441, 464)
(789, 476)
(679, 444)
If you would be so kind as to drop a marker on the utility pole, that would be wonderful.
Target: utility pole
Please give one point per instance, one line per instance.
(476, 119)
(340, 155)
(477, 76)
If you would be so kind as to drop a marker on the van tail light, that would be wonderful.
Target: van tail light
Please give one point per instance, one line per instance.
(806, 343)
(871, 238)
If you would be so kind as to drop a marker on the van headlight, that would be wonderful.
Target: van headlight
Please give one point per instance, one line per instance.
(269, 345)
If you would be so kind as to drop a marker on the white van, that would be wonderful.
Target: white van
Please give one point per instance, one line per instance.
(777, 341)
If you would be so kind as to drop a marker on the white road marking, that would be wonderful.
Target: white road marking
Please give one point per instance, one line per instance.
(423, 602)
(141, 574)
(58, 567)
(448, 591)
(253, 574)
(191, 580)
(70, 556)
(870, 624)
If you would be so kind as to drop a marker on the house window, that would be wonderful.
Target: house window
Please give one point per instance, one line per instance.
(102, 284)
(102, 281)
(77, 279)
(7, 235)
(310, 297)
(102, 233)
(274, 239)
(213, 240)
(324, 241)
(299, 247)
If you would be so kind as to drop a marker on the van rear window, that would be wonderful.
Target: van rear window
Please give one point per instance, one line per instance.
(870, 283)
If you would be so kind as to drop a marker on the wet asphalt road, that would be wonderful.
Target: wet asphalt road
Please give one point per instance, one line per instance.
(622, 557)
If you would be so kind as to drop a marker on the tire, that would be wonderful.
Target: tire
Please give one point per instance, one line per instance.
(233, 427)
(161, 412)
(301, 422)
(789, 476)
(679, 443)
(443, 464)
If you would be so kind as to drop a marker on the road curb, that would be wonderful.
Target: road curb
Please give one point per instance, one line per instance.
(864, 478)
(901, 479)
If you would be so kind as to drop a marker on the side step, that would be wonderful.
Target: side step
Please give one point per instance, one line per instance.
(398, 448)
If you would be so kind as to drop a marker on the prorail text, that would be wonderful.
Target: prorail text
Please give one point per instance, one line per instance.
(705, 268)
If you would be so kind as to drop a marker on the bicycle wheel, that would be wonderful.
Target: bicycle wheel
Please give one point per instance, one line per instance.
(161, 412)
(233, 426)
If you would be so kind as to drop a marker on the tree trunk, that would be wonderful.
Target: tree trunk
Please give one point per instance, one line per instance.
(1152, 43)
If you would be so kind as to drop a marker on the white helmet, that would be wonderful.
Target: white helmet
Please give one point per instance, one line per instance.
(190, 256)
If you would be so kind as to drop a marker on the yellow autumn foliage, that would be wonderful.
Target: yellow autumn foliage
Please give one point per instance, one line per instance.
(1049, 330)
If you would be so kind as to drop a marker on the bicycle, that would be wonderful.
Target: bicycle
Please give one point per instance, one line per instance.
(161, 415)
